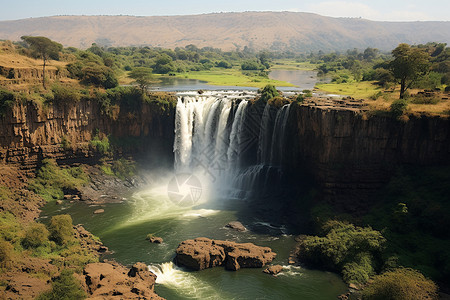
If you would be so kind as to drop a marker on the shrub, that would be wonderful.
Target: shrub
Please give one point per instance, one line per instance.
(64, 287)
(7, 100)
(35, 235)
(61, 229)
(398, 107)
(65, 96)
(6, 254)
(400, 284)
(102, 146)
(360, 270)
(346, 248)
(269, 92)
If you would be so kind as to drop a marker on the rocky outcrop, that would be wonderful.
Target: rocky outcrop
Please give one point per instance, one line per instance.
(202, 253)
(30, 132)
(113, 281)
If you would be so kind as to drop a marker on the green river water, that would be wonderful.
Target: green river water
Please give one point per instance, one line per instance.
(124, 226)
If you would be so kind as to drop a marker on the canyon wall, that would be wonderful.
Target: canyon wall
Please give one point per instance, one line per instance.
(31, 132)
(351, 156)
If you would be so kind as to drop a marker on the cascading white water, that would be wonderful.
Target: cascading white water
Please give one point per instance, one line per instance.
(210, 137)
(279, 135)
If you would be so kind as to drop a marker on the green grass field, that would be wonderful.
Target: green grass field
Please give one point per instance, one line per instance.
(286, 64)
(363, 89)
(232, 77)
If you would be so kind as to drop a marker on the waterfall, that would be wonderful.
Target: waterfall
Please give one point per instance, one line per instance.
(211, 136)
(279, 135)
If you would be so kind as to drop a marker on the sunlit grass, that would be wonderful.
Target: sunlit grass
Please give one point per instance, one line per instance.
(286, 64)
(363, 89)
(232, 77)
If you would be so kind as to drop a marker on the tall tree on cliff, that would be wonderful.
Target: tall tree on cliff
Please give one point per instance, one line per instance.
(409, 64)
(44, 48)
(142, 76)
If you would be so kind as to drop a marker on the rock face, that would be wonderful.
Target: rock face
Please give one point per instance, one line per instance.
(29, 133)
(113, 281)
(350, 155)
(236, 225)
(202, 253)
(273, 270)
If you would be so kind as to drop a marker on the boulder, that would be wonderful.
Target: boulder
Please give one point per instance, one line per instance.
(110, 280)
(99, 211)
(155, 239)
(273, 270)
(236, 225)
(202, 253)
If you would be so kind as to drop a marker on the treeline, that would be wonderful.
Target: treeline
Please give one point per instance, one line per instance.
(374, 65)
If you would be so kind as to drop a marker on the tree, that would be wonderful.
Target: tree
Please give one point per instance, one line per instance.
(409, 64)
(43, 47)
(142, 76)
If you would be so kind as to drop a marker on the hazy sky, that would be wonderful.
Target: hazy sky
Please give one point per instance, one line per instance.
(380, 10)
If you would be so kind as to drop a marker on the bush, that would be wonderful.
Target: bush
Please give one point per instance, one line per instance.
(102, 146)
(64, 287)
(7, 100)
(400, 284)
(269, 92)
(345, 248)
(360, 270)
(61, 229)
(252, 65)
(6, 254)
(398, 107)
(35, 235)
(65, 96)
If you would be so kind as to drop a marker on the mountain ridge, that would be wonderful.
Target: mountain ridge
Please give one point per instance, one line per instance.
(275, 31)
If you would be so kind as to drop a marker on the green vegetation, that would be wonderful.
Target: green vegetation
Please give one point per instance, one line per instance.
(36, 234)
(60, 229)
(66, 287)
(142, 76)
(121, 168)
(400, 284)
(233, 77)
(6, 254)
(7, 100)
(353, 251)
(44, 48)
(398, 107)
(52, 182)
(409, 64)
(101, 145)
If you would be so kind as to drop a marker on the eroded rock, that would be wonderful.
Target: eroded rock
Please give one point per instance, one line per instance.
(273, 270)
(236, 225)
(202, 253)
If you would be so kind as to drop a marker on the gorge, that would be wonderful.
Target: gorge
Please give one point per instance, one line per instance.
(253, 158)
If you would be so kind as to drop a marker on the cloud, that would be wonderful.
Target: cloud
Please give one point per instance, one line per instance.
(359, 10)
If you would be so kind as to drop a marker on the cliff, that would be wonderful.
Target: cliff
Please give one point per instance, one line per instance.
(351, 155)
(30, 132)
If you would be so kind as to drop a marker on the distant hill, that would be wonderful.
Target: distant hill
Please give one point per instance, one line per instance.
(228, 31)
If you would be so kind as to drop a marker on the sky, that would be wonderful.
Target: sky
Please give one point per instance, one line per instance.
(378, 10)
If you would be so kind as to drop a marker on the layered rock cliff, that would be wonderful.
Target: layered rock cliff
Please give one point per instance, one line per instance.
(351, 155)
(30, 132)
